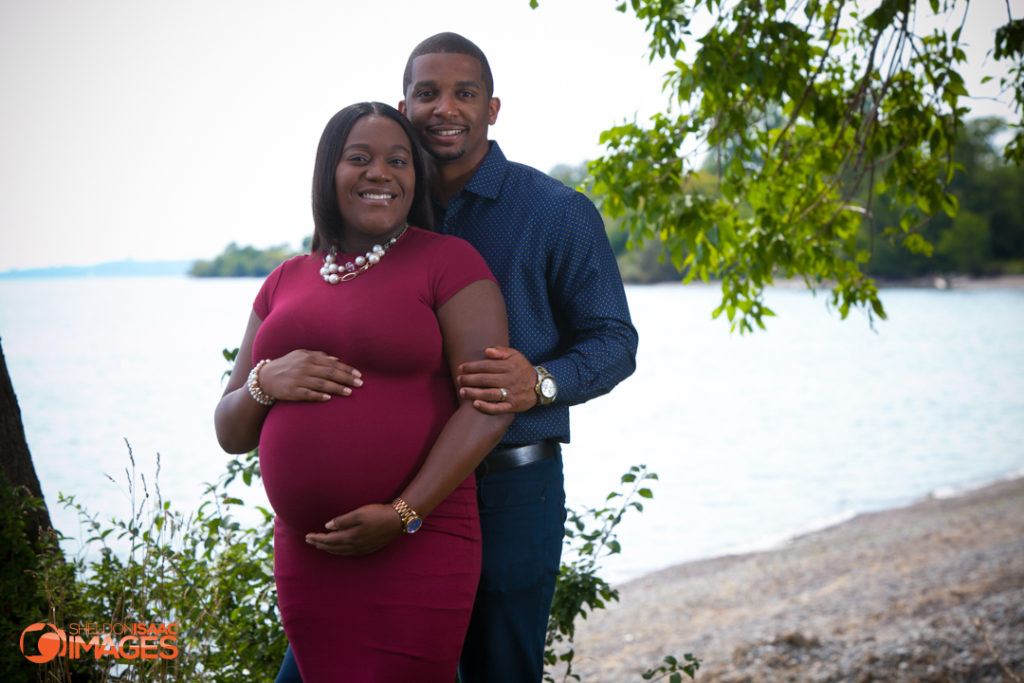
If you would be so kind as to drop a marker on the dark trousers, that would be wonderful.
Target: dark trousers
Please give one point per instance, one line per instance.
(289, 672)
(522, 521)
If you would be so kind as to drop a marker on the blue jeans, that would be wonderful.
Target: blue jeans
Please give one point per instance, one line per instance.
(289, 672)
(522, 521)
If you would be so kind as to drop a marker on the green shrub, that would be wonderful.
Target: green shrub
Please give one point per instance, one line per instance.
(21, 600)
(205, 572)
(590, 536)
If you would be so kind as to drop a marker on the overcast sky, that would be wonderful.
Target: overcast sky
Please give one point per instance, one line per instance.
(161, 130)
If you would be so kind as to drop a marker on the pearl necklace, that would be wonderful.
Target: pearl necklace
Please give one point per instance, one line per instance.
(333, 272)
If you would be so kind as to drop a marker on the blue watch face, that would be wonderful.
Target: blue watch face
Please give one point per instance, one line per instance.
(414, 525)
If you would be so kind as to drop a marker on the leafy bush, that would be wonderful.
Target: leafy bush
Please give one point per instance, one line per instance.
(591, 536)
(204, 571)
(22, 602)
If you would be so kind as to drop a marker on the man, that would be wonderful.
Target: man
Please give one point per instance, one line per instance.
(569, 327)
(570, 334)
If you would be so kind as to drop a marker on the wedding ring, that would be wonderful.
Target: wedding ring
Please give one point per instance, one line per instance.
(504, 394)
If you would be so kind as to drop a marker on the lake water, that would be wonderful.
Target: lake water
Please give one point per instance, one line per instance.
(754, 438)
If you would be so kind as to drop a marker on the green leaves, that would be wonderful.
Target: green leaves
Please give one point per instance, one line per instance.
(674, 669)
(1009, 45)
(887, 12)
(1010, 40)
(786, 133)
(590, 536)
(206, 571)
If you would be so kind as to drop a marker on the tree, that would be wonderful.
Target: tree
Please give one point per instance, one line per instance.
(810, 110)
(965, 247)
(987, 234)
(24, 532)
(246, 261)
(15, 459)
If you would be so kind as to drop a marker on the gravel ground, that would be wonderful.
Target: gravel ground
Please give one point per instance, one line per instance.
(932, 592)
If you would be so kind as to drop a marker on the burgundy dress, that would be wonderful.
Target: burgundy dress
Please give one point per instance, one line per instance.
(399, 614)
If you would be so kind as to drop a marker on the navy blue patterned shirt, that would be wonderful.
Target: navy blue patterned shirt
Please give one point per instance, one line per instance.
(546, 245)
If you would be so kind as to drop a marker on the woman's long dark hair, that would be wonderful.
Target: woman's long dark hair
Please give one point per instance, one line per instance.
(327, 219)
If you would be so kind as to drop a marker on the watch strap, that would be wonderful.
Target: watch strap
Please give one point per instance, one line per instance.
(411, 520)
(544, 376)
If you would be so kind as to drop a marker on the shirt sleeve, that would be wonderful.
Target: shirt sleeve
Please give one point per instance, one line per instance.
(590, 306)
(457, 264)
(264, 300)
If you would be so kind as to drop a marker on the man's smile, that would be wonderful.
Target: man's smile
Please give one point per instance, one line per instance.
(446, 131)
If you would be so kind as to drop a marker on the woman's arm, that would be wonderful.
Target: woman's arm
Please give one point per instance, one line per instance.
(297, 376)
(238, 418)
(471, 320)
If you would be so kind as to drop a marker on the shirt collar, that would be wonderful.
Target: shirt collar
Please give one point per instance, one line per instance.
(486, 182)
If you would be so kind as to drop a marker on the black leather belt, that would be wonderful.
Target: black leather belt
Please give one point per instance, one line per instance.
(509, 457)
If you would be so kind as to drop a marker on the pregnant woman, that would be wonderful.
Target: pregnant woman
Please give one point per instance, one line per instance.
(344, 380)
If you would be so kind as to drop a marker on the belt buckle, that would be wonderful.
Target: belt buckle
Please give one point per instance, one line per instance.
(483, 468)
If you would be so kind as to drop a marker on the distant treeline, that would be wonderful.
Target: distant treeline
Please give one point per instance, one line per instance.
(239, 261)
(987, 235)
(985, 238)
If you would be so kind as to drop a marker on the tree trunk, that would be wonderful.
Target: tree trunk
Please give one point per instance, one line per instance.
(15, 460)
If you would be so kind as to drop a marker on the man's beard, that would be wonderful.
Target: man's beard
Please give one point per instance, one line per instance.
(448, 155)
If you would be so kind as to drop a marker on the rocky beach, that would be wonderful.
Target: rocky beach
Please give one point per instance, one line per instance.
(931, 592)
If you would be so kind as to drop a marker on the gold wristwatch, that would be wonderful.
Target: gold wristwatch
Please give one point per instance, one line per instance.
(546, 388)
(411, 520)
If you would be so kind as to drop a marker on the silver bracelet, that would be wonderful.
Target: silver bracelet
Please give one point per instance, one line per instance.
(255, 391)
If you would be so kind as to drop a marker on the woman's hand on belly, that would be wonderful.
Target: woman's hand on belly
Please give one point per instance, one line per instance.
(365, 530)
(303, 375)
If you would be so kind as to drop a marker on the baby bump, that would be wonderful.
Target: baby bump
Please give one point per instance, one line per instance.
(321, 460)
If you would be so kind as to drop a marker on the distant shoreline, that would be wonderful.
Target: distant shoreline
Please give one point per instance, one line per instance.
(937, 282)
(956, 282)
(131, 268)
(125, 268)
